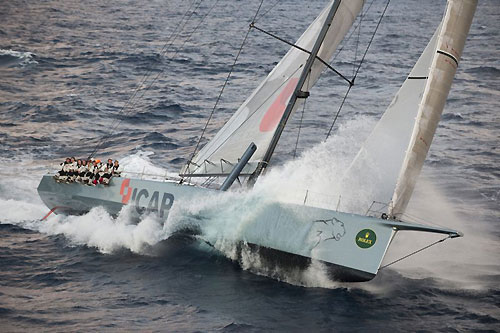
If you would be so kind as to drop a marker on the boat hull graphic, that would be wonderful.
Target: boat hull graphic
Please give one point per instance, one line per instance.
(282, 234)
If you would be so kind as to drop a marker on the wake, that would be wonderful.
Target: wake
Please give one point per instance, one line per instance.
(224, 219)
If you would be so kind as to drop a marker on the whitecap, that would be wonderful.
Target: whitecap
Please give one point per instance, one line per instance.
(21, 58)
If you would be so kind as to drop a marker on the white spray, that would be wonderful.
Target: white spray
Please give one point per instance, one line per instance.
(230, 215)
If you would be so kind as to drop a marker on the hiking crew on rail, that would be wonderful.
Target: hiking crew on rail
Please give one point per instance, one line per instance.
(91, 172)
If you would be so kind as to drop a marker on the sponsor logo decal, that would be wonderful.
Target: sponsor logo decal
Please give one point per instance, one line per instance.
(144, 201)
(126, 187)
(275, 111)
(366, 238)
(332, 229)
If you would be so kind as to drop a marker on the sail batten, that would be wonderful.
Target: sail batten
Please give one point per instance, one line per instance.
(258, 118)
(451, 40)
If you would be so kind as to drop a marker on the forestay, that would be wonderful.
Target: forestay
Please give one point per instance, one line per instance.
(258, 117)
(451, 41)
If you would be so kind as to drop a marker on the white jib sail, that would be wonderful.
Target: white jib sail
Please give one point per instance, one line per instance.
(455, 28)
(257, 118)
(374, 171)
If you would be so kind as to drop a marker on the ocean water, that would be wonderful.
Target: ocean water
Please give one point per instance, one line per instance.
(68, 67)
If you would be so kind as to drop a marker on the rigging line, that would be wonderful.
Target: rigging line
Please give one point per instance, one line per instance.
(352, 32)
(251, 115)
(303, 50)
(267, 11)
(225, 83)
(357, 44)
(371, 39)
(170, 41)
(113, 128)
(184, 23)
(421, 220)
(338, 112)
(144, 78)
(415, 252)
(357, 70)
(178, 49)
(302, 116)
(165, 50)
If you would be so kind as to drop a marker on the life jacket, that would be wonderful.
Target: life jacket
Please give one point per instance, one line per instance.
(71, 167)
(67, 167)
(117, 170)
(99, 169)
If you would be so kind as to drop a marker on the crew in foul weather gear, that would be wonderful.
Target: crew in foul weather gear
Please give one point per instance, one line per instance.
(89, 175)
(82, 172)
(91, 172)
(117, 170)
(76, 170)
(107, 172)
(62, 175)
(71, 170)
(97, 172)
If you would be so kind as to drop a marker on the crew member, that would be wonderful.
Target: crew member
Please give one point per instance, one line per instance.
(62, 175)
(107, 172)
(71, 170)
(116, 169)
(97, 172)
(89, 175)
(82, 172)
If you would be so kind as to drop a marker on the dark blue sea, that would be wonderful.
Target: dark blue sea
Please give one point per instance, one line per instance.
(67, 68)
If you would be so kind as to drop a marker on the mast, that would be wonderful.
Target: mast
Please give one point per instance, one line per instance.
(451, 40)
(298, 93)
(258, 118)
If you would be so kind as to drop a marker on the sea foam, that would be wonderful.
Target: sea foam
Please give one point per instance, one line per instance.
(21, 58)
(223, 220)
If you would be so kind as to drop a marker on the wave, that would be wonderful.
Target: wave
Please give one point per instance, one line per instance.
(224, 219)
(161, 112)
(452, 116)
(489, 71)
(11, 57)
(140, 164)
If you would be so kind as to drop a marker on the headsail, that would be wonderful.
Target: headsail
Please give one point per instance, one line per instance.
(451, 41)
(258, 117)
(374, 171)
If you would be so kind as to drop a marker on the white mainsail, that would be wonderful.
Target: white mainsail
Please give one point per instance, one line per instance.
(374, 171)
(455, 28)
(257, 118)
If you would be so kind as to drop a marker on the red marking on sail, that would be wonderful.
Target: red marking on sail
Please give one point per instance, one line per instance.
(125, 196)
(275, 111)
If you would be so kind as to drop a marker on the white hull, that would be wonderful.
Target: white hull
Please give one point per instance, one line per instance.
(351, 246)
